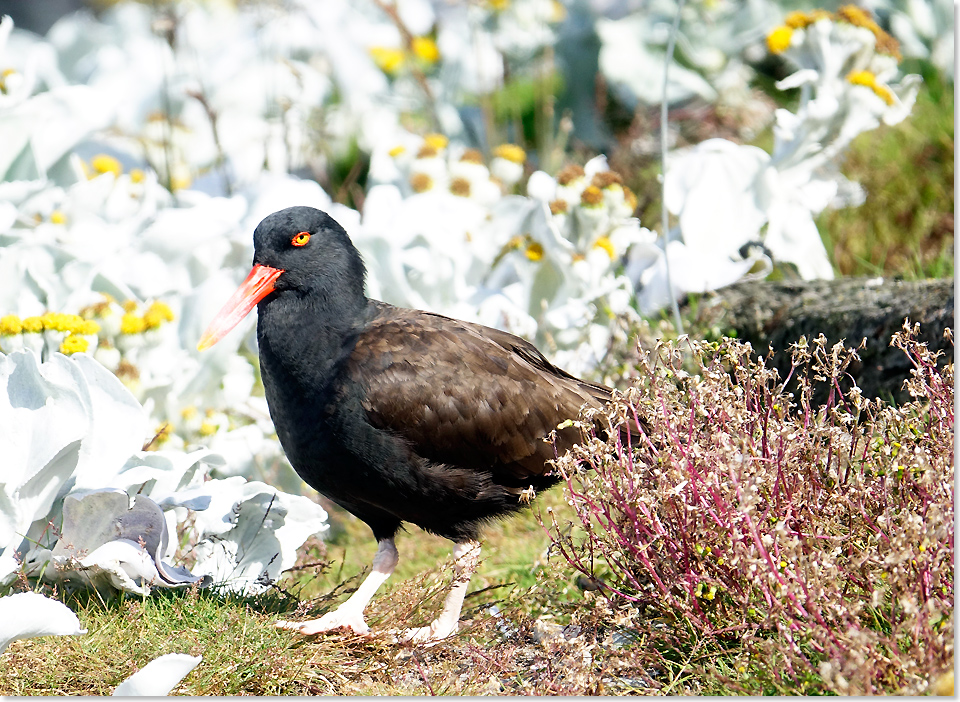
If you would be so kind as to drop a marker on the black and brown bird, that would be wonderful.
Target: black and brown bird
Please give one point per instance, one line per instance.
(396, 415)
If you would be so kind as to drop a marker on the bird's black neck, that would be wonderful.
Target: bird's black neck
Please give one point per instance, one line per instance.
(303, 337)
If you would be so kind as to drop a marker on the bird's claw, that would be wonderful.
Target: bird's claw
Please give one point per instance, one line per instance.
(436, 632)
(329, 622)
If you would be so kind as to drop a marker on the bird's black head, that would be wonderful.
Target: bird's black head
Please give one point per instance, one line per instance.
(311, 248)
(300, 252)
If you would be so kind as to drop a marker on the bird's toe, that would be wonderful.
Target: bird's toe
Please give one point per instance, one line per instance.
(437, 631)
(329, 622)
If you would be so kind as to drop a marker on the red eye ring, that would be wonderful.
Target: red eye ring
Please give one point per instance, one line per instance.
(300, 239)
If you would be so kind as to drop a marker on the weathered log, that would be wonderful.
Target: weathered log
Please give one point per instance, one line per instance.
(773, 315)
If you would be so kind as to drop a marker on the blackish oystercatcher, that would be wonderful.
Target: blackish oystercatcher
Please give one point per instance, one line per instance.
(397, 415)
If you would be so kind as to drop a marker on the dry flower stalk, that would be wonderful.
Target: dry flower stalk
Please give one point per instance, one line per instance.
(818, 539)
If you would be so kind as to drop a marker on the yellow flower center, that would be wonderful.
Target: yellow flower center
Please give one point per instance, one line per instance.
(605, 179)
(472, 156)
(534, 251)
(137, 175)
(74, 344)
(396, 151)
(163, 432)
(779, 39)
(208, 429)
(10, 324)
(132, 324)
(558, 207)
(591, 196)
(104, 163)
(4, 74)
(460, 186)
(57, 217)
(181, 181)
(157, 313)
(569, 174)
(426, 49)
(421, 182)
(859, 17)
(437, 141)
(427, 151)
(87, 327)
(388, 60)
(800, 20)
(604, 243)
(188, 412)
(868, 80)
(32, 324)
(510, 152)
(129, 306)
(58, 321)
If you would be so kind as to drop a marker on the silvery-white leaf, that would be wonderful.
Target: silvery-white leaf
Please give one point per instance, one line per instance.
(121, 563)
(161, 475)
(27, 508)
(8, 569)
(268, 527)
(65, 417)
(115, 541)
(158, 677)
(28, 614)
(40, 417)
(118, 423)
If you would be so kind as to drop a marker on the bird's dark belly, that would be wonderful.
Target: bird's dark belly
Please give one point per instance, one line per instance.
(373, 474)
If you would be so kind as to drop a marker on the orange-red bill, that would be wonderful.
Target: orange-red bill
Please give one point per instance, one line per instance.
(254, 288)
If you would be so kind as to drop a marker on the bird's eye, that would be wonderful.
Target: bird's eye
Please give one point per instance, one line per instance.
(300, 239)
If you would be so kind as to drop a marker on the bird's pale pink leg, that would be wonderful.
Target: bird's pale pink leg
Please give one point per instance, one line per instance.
(349, 615)
(466, 558)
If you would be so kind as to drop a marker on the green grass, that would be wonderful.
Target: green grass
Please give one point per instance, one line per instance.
(245, 654)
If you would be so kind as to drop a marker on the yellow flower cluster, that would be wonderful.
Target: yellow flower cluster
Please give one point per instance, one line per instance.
(156, 314)
(74, 344)
(869, 80)
(533, 250)
(11, 324)
(859, 17)
(780, 38)
(391, 60)
(436, 141)
(510, 152)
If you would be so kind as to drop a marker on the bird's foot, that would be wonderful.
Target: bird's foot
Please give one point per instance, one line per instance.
(438, 630)
(337, 619)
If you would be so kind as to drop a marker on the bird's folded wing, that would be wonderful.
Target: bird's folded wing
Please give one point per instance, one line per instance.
(464, 394)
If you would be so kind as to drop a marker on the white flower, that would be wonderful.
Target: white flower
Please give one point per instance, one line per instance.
(712, 189)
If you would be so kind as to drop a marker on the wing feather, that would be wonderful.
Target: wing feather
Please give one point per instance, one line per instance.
(466, 395)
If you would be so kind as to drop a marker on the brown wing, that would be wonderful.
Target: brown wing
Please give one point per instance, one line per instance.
(465, 394)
